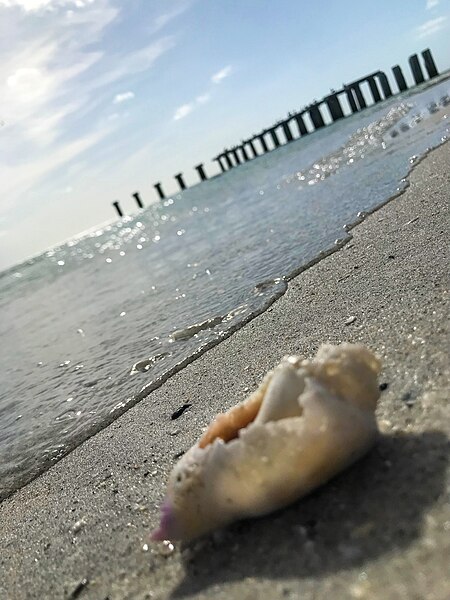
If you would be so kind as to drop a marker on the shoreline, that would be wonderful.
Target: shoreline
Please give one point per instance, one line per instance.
(114, 481)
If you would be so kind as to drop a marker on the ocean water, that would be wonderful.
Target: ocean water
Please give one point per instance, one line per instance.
(92, 326)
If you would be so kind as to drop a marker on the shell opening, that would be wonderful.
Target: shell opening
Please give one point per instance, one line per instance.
(226, 426)
(276, 398)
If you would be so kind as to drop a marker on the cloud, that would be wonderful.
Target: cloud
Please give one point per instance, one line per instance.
(54, 82)
(222, 74)
(44, 129)
(28, 84)
(186, 109)
(183, 111)
(19, 179)
(34, 90)
(40, 5)
(119, 98)
(431, 4)
(136, 62)
(41, 64)
(39, 80)
(430, 27)
(164, 18)
(203, 98)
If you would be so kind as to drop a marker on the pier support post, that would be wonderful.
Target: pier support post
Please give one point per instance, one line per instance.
(287, 132)
(385, 85)
(118, 209)
(218, 159)
(252, 146)
(159, 189)
(138, 200)
(201, 171)
(374, 89)
(334, 107)
(245, 156)
(359, 96)
(179, 178)
(416, 69)
(316, 116)
(228, 160)
(399, 78)
(236, 156)
(430, 65)
(264, 145)
(350, 93)
(274, 137)
(301, 124)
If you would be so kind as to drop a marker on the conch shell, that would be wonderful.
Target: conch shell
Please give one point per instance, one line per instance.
(308, 420)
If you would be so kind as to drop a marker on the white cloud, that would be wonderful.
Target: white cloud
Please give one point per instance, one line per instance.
(203, 98)
(43, 129)
(164, 18)
(187, 108)
(39, 73)
(18, 179)
(136, 62)
(34, 91)
(222, 74)
(28, 84)
(92, 21)
(431, 4)
(38, 80)
(183, 111)
(39, 5)
(123, 97)
(430, 27)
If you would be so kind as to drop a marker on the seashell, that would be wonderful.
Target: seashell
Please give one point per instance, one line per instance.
(307, 421)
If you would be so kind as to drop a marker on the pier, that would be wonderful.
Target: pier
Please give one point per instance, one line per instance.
(356, 96)
(351, 98)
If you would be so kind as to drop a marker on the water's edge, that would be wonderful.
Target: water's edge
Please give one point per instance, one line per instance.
(125, 405)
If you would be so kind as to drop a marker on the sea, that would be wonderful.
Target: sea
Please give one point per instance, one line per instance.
(90, 327)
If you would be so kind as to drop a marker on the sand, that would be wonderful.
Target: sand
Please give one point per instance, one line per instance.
(379, 530)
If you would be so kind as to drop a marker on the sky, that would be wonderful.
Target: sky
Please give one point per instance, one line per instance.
(103, 98)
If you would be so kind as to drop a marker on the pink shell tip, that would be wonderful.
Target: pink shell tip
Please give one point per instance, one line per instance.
(166, 524)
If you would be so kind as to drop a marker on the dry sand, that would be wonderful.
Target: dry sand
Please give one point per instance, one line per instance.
(380, 530)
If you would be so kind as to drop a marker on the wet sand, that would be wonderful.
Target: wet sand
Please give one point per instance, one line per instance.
(380, 530)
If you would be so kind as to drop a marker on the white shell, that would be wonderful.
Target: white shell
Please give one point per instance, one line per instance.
(312, 419)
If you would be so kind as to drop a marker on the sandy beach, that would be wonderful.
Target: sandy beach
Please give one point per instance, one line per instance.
(380, 530)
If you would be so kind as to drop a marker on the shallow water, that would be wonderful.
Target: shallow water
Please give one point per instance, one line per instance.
(87, 327)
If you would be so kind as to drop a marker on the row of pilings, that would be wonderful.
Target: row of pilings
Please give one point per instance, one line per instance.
(311, 118)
